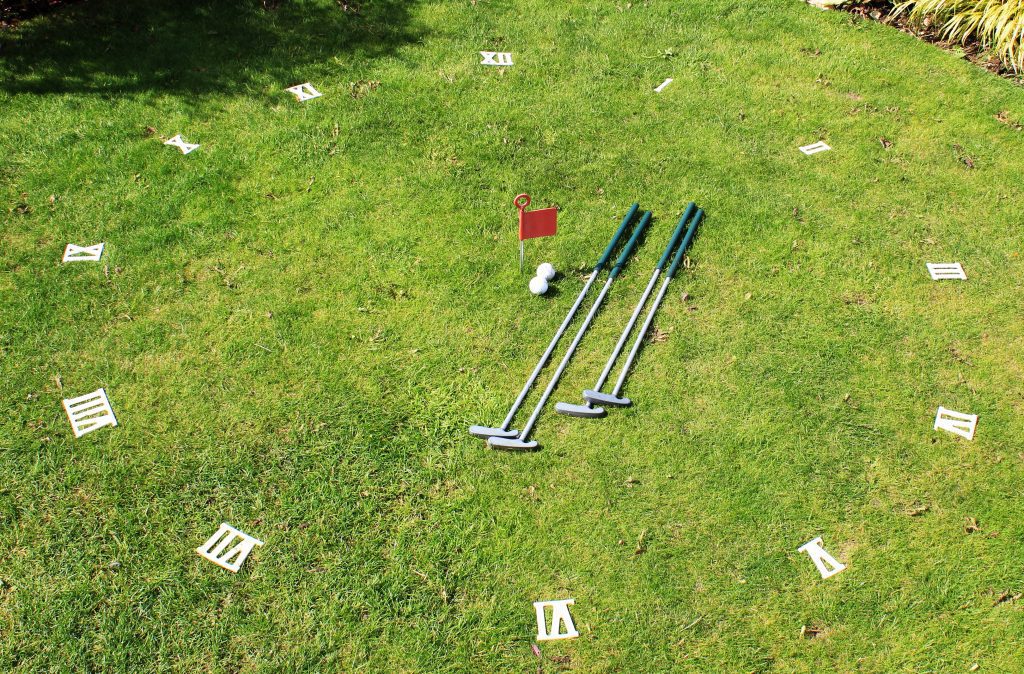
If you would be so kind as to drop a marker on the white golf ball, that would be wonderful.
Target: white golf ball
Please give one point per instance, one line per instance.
(546, 271)
(538, 285)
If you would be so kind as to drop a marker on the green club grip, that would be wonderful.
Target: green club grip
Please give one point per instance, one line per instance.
(615, 239)
(687, 214)
(627, 250)
(686, 242)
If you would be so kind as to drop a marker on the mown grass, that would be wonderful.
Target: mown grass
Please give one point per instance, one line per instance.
(297, 322)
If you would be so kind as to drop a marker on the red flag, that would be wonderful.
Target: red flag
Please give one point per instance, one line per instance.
(541, 222)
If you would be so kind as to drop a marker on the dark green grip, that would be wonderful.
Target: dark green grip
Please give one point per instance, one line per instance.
(615, 239)
(686, 242)
(687, 214)
(627, 250)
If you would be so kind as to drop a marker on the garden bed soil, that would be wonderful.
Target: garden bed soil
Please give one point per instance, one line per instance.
(12, 12)
(881, 11)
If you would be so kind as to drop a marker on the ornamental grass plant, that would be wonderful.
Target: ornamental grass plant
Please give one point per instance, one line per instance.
(996, 25)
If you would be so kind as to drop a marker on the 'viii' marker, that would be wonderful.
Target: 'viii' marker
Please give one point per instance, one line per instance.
(214, 548)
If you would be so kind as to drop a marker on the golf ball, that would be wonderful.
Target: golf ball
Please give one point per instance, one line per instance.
(538, 285)
(546, 271)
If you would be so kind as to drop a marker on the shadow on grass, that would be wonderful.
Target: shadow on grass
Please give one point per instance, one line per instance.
(117, 46)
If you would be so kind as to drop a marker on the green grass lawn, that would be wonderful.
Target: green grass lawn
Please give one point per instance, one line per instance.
(297, 322)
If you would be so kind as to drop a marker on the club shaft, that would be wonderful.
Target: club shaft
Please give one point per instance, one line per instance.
(626, 220)
(672, 242)
(551, 348)
(625, 333)
(640, 336)
(565, 360)
(679, 257)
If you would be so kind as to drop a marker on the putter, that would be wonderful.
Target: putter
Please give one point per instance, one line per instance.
(613, 399)
(587, 410)
(503, 430)
(520, 442)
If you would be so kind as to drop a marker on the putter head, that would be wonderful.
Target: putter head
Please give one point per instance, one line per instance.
(585, 411)
(513, 444)
(598, 398)
(488, 432)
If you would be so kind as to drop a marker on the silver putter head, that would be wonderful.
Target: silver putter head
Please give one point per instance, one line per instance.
(514, 444)
(585, 411)
(488, 432)
(598, 398)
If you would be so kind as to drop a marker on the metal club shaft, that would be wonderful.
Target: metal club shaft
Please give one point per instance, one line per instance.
(587, 409)
(565, 361)
(625, 333)
(520, 442)
(680, 254)
(503, 430)
(640, 338)
(547, 353)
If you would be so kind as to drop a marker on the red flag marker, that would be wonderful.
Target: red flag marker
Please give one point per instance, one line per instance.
(532, 224)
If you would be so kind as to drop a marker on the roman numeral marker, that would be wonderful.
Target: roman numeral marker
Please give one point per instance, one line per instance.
(559, 617)
(827, 565)
(304, 92)
(815, 148)
(75, 253)
(179, 143)
(214, 548)
(941, 271)
(89, 412)
(495, 58)
(956, 422)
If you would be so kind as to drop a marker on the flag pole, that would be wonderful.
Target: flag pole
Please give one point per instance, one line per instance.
(521, 202)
